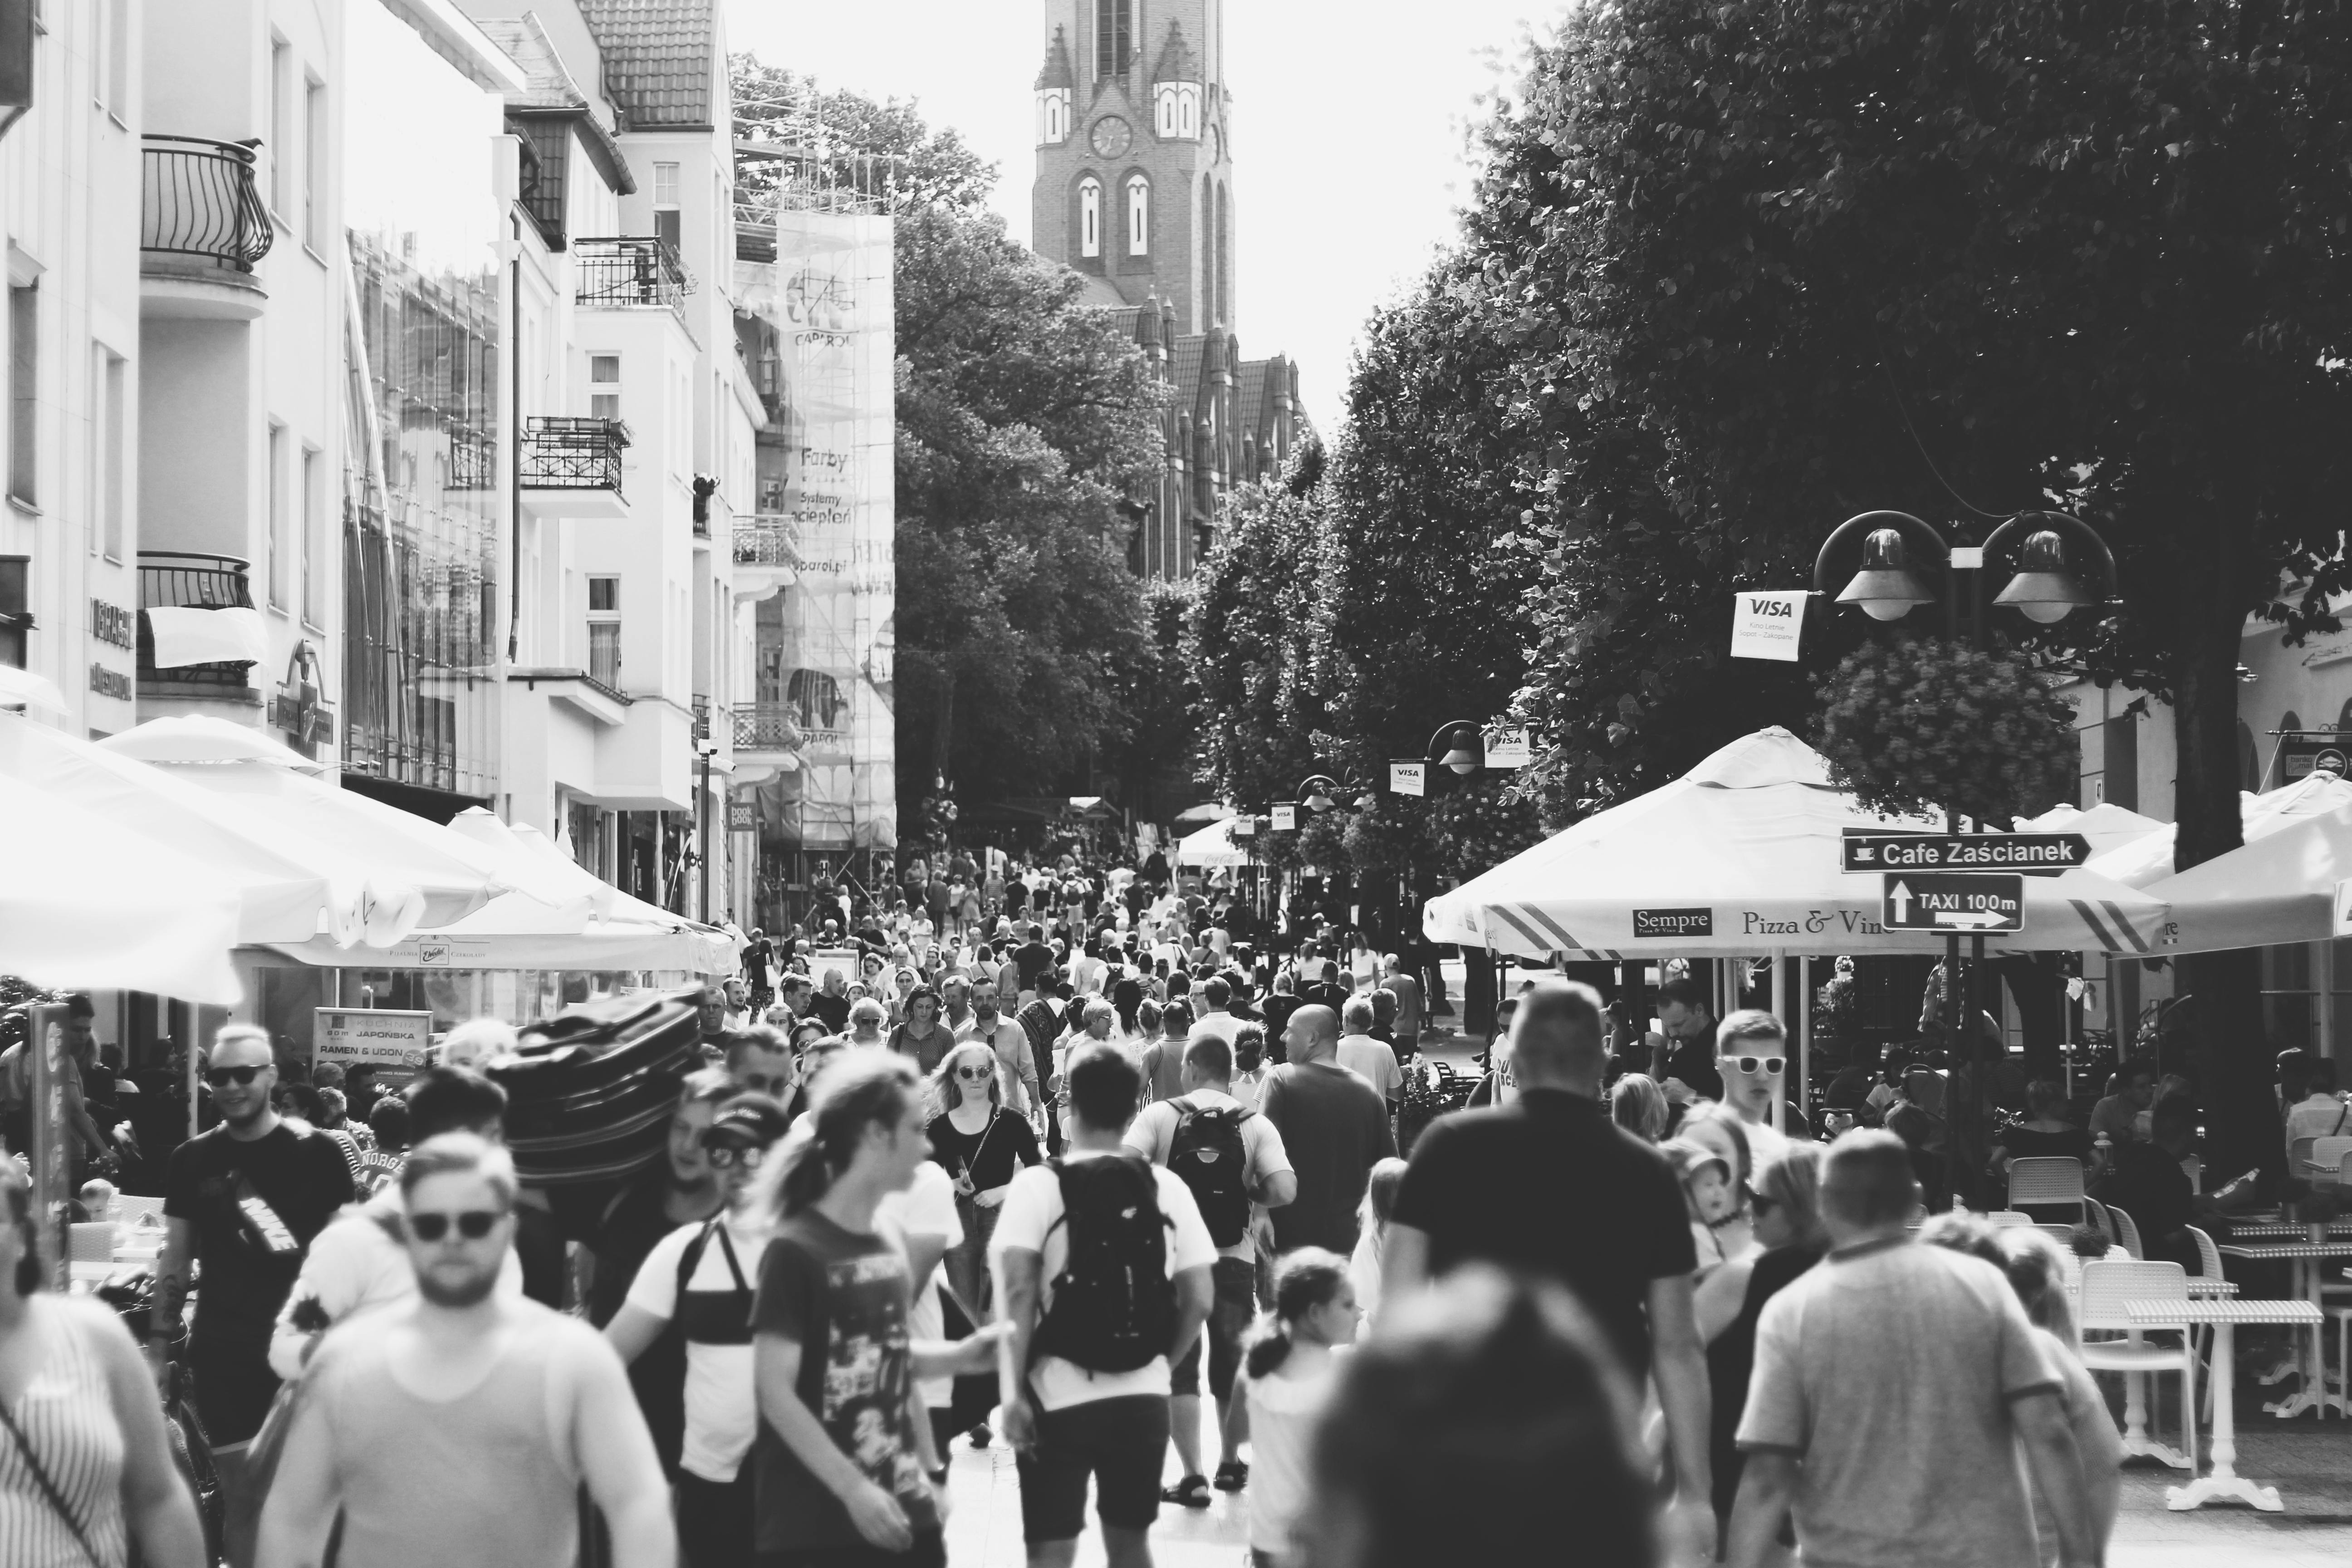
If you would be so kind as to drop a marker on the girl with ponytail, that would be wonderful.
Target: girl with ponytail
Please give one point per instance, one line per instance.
(1288, 1372)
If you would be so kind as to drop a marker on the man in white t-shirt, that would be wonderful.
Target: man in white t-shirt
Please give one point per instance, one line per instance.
(1372, 1061)
(1215, 997)
(924, 1219)
(1194, 1134)
(1104, 1421)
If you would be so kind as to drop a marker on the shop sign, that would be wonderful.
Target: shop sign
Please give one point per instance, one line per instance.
(1408, 778)
(1673, 922)
(398, 1045)
(1965, 851)
(2344, 909)
(2300, 756)
(1509, 748)
(107, 682)
(113, 623)
(1767, 626)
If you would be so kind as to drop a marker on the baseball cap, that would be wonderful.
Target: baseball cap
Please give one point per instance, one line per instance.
(747, 1121)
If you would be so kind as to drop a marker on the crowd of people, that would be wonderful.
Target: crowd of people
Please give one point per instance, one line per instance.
(1032, 1175)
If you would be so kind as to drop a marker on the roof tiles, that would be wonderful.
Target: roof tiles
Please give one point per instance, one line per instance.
(658, 59)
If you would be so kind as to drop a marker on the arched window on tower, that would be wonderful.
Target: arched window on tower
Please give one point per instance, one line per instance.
(1113, 36)
(1089, 216)
(1138, 215)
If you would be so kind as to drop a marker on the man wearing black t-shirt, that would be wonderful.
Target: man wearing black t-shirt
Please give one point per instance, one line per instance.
(1550, 1184)
(1033, 958)
(1685, 1013)
(243, 1201)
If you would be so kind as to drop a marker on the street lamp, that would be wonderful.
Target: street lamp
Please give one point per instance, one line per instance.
(1314, 792)
(1460, 745)
(1367, 797)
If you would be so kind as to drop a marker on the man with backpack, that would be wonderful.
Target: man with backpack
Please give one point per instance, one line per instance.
(1230, 1157)
(1104, 1274)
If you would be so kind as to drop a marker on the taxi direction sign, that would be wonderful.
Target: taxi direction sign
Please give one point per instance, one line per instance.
(2046, 853)
(1940, 900)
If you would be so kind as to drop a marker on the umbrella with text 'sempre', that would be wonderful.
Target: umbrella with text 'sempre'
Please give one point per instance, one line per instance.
(1744, 855)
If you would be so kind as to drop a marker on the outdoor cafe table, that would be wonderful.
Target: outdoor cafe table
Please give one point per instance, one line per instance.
(2306, 1257)
(2224, 1482)
(2281, 1230)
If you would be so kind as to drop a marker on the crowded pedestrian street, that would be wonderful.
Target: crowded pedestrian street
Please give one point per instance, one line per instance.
(1175, 784)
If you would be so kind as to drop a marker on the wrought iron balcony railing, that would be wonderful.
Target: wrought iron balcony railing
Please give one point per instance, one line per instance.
(172, 579)
(563, 452)
(198, 200)
(767, 540)
(634, 270)
(766, 726)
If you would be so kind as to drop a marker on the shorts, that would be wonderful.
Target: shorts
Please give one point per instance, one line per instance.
(1119, 1443)
(1234, 1302)
(234, 1389)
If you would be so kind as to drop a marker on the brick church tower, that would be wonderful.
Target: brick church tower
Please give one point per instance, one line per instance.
(1134, 154)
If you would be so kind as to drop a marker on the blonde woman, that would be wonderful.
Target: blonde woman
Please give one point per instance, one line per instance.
(981, 1145)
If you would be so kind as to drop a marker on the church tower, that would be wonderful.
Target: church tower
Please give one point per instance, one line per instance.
(1134, 154)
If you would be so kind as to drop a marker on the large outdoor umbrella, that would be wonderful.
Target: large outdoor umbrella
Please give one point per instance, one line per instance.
(2106, 825)
(1740, 857)
(1208, 810)
(1212, 848)
(2147, 859)
(2281, 888)
(88, 906)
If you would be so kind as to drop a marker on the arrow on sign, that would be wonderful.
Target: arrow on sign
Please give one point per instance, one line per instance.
(1901, 898)
(1968, 921)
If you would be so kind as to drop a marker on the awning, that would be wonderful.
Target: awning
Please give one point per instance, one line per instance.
(1212, 848)
(2279, 889)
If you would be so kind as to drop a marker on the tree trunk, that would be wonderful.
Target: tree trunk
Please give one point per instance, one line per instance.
(2231, 1053)
(2040, 990)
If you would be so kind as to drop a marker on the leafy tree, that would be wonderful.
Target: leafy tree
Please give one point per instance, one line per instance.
(1024, 421)
(1760, 261)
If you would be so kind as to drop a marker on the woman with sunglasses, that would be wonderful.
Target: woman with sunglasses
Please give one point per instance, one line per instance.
(703, 1278)
(981, 1144)
(1784, 1200)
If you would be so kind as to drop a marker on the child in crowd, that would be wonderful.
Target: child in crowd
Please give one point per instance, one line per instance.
(1705, 1178)
(1371, 1232)
(1287, 1375)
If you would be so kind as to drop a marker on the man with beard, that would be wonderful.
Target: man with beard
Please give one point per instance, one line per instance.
(459, 1428)
(243, 1201)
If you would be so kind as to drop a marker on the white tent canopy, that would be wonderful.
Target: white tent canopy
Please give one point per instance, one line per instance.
(88, 906)
(1742, 856)
(2280, 887)
(1212, 848)
(2147, 859)
(2106, 826)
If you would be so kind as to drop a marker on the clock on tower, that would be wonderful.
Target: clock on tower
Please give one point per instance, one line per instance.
(1112, 137)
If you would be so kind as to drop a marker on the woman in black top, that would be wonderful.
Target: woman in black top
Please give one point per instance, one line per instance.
(1785, 1197)
(981, 1145)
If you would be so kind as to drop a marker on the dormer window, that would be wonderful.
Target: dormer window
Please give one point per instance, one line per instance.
(1090, 216)
(1052, 115)
(1176, 111)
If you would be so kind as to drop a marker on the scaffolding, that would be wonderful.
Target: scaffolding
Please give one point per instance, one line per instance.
(799, 163)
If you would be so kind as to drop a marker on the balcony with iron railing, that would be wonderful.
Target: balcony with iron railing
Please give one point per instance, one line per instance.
(571, 467)
(201, 227)
(768, 539)
(620, 273)
(172, 579)
(767, 727)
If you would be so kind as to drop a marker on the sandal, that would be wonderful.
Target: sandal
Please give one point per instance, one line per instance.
(1233, 1476)
(1193, 1491)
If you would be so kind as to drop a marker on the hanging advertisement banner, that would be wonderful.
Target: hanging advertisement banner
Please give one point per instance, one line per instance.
(1408, 778)
(1509, 747)
(1767, 626)
(1286, 816)
(398, 1045)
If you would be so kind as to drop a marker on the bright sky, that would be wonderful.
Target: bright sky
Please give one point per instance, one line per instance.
(1347, 179)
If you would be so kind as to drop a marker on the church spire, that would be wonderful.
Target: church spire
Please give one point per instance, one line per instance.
(1056, 71)
(1176, 62)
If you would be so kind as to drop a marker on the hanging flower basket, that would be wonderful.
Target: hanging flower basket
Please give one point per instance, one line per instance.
(1929, 726)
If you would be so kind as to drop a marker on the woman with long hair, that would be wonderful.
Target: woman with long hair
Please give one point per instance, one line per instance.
(1785, 1200)
(85, 1469)
(1371, 1233)
(1287, 1374)
(981, 1145)
(1639, 1106)
(835, 1292)
(922, 1037)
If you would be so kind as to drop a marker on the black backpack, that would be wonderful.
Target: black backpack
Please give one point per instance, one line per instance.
(1206, 1150)
(1114, 1306)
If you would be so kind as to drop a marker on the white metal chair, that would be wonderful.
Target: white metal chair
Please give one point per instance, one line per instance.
(2001, 1219)
(2127, 1230)
(2046, 1180)
(2330, 1152)
(2106, 1287)
(2298, 1152)
(90, 1241)
(130, 1210)
(2096, 1216)
(2209, 1267)
(2061, 1234)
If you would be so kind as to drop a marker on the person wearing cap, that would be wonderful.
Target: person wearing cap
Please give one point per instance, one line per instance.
(702, 1278)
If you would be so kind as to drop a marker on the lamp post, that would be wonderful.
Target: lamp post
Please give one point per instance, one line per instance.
(1460, 747)
(2044, 589)
(1314, 792)
(704, 750)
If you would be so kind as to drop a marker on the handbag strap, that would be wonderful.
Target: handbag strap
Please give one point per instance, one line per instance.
(48, 1487)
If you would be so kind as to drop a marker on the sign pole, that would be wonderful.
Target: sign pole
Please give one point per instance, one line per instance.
(1805, 1033)
(1780, 1011)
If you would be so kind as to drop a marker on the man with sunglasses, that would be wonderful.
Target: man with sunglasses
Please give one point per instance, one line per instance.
(243, 1201)
(1751, 1056)
(461, 1426)
(702, 1278)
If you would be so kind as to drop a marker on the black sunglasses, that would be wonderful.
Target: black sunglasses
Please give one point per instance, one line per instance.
(473, 1224)
(975, 1074)
(1750, 1064)
(221, 1078)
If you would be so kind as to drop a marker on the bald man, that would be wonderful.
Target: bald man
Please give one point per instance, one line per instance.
(1550, 1184)
(1334, 1128)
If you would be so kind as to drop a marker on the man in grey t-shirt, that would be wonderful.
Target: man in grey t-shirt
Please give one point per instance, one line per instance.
(1892, 1388)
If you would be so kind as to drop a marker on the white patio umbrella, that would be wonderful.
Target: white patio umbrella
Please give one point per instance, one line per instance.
(2107, 824)
(289, 885)
(87, 905)
(199, 737)
(2147, 859)
(1212, 848)
(513, 932)
(2281, 888)
(1741, 856)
